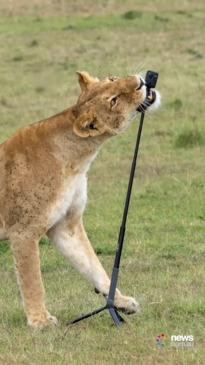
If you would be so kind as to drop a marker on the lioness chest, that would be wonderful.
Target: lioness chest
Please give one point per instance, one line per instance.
(72, 195)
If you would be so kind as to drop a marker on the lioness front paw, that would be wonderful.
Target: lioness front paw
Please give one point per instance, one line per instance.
(41, 320)
(127, 305)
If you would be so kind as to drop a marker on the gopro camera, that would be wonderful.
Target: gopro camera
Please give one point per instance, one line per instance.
(151, 79)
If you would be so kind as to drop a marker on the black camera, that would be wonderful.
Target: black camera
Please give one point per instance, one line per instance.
(151, 79)
(150, 83)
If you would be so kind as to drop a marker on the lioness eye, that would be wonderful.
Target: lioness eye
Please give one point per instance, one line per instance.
(113, 101)
(113, 78)
(92, 126)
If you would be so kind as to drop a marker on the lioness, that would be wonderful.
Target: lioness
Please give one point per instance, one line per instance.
(43, 185)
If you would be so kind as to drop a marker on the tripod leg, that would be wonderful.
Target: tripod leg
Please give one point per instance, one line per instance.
(87, 315)
(117, 319)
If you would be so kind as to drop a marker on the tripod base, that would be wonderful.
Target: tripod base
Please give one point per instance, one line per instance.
(117, 319)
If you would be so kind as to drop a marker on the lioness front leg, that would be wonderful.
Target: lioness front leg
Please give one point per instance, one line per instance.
(72, 241)
(26, 254)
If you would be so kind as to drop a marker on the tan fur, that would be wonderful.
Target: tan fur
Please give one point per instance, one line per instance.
(43, 186)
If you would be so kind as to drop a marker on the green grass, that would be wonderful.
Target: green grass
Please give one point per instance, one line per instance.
(164, 258)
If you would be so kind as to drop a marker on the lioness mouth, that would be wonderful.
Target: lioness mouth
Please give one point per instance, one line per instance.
(149, 100)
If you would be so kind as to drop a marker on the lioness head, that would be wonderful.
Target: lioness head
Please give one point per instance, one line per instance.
(108, 106)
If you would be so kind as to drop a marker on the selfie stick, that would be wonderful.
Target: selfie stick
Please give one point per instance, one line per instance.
(150, 82)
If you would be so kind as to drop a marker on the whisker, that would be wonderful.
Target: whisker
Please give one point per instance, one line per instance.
(146, 103)
(140, 69)
(141, 108)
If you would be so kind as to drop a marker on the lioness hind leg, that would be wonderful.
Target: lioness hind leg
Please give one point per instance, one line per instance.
(74, 244)
(26, 254)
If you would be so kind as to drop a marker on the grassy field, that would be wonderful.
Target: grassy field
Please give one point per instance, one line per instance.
(163, 266)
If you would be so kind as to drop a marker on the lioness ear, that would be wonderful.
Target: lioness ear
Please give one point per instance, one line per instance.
(85, 79)
(87, 125)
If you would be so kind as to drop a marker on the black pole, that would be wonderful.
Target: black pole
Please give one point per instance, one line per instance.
(115, 272)
(117, 319)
